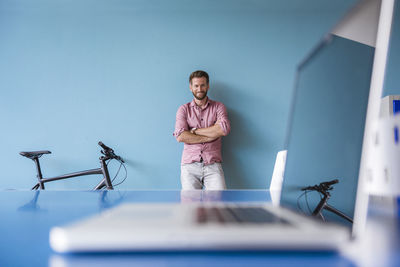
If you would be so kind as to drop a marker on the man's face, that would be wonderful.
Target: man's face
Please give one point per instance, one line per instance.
(199, 87)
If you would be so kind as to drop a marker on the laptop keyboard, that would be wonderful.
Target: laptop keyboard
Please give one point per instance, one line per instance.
(224, 215)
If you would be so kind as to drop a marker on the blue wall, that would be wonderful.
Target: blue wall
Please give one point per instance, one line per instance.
(392, 78)
(76, 72)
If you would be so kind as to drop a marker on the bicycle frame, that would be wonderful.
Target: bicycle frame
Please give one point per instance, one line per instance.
(323, 189)
(323, 205)
(105, 182)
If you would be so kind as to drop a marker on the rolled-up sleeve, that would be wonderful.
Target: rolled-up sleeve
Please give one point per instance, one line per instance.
(181, 124)
(222, 117)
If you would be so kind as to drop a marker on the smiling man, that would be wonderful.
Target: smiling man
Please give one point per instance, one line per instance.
(200, 124)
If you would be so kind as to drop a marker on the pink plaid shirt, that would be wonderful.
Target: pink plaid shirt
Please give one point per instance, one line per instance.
(191, 116)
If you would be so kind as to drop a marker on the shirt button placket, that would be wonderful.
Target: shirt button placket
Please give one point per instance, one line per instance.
(201, 125)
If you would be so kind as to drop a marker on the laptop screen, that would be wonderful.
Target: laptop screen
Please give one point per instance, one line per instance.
(326, 127)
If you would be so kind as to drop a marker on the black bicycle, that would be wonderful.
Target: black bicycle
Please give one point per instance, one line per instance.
(106, 182)
(324, 188)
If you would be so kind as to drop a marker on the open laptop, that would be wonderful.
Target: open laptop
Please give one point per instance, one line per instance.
(324, 142)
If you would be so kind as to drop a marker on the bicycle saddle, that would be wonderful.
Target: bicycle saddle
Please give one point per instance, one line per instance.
(34, 154)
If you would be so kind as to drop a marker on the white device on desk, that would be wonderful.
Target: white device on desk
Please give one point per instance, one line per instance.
(275, 186)
(196, 226)
(383, 168)
(383, 165)
(320, 148)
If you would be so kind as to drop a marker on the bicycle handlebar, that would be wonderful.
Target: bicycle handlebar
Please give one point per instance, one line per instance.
(327, 184)
(322, 187)
(109, 152)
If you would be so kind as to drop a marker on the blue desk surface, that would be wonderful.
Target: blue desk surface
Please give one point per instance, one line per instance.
(27, 216)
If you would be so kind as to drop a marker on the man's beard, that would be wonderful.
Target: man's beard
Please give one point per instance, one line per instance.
(200, 98)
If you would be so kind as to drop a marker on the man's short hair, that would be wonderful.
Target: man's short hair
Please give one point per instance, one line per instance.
(199, 74)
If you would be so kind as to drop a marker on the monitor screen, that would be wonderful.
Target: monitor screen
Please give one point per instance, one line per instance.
(326, 126)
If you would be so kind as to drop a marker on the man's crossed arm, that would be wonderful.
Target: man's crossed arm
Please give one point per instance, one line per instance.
(202, 135)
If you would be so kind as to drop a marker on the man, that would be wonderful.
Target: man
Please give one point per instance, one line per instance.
(200, 124)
